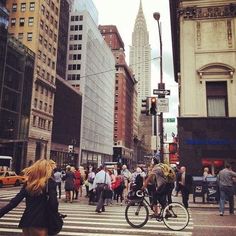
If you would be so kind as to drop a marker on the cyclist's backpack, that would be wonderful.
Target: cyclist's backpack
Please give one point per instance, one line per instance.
(168, 172)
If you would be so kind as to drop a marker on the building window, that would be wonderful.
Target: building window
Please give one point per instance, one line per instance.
(29, 36)
(20, 36)
(216, 93)
(31, 21)
(23, 7)
(34, 120)
(32, 6)
(43, 9)
(35, 103)
(14, 7)
(40, 105)
(22, 22)
(13, 21)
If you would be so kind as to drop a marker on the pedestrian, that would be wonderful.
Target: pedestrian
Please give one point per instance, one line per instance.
(206, 173)
(91, 176)
(69, 184)
(101, 181)
(58, 179)
(77, 183)
(82, 172)
(184, 183)
(226, 180)
(160, 193)
(127, 177)
(34, 219)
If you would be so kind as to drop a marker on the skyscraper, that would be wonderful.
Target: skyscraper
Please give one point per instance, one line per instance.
(35, 24)
(140, 57)
(140, 62)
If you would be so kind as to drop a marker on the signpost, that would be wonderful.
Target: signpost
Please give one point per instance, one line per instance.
(161, 92)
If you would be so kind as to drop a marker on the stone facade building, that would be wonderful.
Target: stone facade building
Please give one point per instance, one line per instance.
(204, 48)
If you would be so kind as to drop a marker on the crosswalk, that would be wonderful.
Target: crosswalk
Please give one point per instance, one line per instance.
(83, 220)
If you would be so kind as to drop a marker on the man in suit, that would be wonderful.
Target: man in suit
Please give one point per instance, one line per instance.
(184, 182)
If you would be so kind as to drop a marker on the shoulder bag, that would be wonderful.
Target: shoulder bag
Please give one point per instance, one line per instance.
(54, 218)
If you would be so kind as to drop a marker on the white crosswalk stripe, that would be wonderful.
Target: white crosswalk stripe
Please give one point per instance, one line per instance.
(83, 220)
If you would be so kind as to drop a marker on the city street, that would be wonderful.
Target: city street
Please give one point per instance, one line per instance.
(82, 220)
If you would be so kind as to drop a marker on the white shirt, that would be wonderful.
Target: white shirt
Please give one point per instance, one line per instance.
(100, 179)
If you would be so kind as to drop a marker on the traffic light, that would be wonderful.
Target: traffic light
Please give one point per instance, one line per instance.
(153, 106)
(145, 104)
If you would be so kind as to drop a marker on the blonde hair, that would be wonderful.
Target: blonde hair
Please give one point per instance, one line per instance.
(37, 175)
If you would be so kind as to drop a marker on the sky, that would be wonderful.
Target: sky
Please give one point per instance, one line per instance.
(122, 13)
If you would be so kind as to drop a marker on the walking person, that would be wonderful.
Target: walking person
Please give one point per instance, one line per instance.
(69, 184)
(77, 183)
(101, 180)
(58, 179)
(91, 176)
(126, 176)
(184, 183)
(34, 219)
(226, 181)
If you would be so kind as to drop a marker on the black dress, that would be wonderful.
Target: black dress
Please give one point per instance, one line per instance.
(35, 212)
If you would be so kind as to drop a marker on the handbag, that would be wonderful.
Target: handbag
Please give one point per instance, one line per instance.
(106, 189)
(54, 218)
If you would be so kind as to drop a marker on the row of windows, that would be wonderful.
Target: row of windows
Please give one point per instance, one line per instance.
(75, 46)
(44, 90)
(21, 36)
(74, 67)
(76, 18)
(49, 46)
(45, 27)
(76, 27)
(45, 75)
(52, 5)
(73, 77)
(22, 21)
(45, 42)
(41, 123)
(23, 7)
(76, 37)
(74, 56)
(39, 105)
(47, 60)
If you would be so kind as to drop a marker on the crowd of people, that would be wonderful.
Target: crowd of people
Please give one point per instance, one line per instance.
(106, 186)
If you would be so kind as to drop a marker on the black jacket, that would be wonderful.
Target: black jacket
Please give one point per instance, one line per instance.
(188, 182)
(35, 211)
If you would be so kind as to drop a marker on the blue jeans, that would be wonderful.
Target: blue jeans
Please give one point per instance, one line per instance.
(227, 192)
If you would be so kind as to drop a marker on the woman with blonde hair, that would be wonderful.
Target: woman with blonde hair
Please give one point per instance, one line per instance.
(38, 185)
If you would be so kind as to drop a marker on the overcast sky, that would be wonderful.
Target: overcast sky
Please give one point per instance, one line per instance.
(122, 13)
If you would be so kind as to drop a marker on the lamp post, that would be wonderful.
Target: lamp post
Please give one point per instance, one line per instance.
(161, 86)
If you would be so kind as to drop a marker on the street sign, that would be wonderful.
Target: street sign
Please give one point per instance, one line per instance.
(169, 120)
(163, 105)
(161, 92)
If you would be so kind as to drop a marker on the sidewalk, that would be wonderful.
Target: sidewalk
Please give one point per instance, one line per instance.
(199, 204)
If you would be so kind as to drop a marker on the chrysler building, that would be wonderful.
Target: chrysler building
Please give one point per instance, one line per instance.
(140, 57)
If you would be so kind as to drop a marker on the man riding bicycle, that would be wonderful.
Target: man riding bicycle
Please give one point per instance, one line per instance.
(156, 175)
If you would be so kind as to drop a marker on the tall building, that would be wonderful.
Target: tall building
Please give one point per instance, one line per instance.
(91, 70)
(140, 63)
(66, 114)
(15, 101)
(204, 49)
(125, 121)
(35, 24)
(140, 57)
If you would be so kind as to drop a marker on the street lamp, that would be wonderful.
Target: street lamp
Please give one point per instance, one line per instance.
(161, 86)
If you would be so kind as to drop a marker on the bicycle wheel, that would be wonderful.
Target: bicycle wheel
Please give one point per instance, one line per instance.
(175, 216)
(136, 214)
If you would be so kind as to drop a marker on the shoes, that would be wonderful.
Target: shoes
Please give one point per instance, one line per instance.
(99, 211)
(221, 214)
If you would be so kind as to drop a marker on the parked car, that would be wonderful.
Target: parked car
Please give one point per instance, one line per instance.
(10, 178)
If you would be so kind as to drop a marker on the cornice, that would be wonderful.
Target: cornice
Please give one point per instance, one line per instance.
(211, 12)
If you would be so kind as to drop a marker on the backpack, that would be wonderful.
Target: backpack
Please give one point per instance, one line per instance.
(168, 172)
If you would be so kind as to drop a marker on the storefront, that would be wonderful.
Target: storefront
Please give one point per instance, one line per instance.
(207, 142)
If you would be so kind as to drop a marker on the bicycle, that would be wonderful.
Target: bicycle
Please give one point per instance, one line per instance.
(175, 216)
